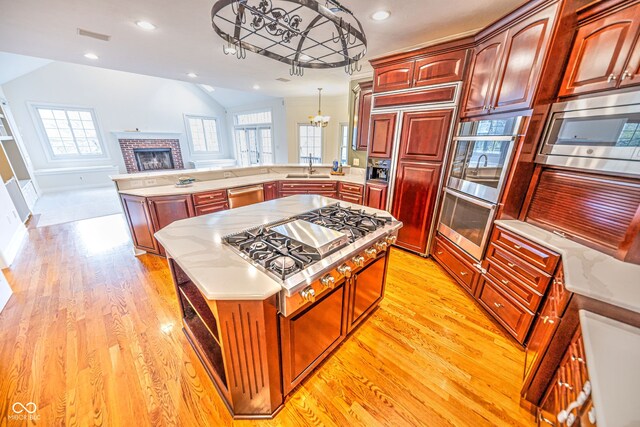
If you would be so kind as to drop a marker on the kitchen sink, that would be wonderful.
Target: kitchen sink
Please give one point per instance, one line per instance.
(306, 175)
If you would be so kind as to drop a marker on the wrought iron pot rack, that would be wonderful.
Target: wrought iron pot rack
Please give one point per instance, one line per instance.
(327, 41)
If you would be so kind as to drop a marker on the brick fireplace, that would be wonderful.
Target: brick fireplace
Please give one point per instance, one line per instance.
(153, 149)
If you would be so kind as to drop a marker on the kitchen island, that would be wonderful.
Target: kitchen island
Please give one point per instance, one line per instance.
(260, 332)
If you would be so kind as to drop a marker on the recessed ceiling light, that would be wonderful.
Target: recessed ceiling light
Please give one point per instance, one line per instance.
(192, 75)
(381, 15)
(304, 58)
(145, 25)
(90, 55)
(207, 88)
(256, 87)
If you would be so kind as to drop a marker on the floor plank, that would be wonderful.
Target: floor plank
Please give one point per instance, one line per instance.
(92, 336)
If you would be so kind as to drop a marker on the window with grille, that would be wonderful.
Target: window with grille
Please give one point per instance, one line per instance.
(310, 143)
(203, 134)
(344, 143)
(253, 136)
(70, 132)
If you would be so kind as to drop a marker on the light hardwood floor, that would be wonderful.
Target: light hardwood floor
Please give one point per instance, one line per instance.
(92, 336)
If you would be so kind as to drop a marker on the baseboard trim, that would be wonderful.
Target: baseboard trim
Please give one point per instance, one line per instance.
(73, 187)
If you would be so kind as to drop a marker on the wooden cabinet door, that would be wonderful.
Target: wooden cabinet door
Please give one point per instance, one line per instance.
(364, 115)
(308, 337)
(367, 289)
(376, 196)
(167, 209)
(414, 202)
(424, 135)
(383, 130)
(270, 190)
(486, 61)
(631, 74)
(393, 77)
(445, 68)
(137, 214)
(541, 334)
(600, 51)
(524, 52)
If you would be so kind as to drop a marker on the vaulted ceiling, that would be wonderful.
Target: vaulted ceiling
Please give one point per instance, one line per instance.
(184, 41)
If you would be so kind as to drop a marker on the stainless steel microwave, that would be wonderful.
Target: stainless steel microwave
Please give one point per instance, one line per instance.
(598, 133)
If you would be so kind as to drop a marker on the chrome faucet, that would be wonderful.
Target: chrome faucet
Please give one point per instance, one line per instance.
(486, 162)
(311, 169)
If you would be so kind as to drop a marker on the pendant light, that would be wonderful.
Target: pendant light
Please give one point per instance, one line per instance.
(319, 120)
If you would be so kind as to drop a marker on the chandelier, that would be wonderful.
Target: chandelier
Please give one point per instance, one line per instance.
(319, 120)
(300, 33)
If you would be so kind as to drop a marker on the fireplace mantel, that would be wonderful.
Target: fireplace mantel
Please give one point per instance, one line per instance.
(146, 135)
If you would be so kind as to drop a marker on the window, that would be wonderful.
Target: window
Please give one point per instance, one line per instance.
(344, 143)
(70, 132)
(310, 143)
(203, 134)
(253, 135)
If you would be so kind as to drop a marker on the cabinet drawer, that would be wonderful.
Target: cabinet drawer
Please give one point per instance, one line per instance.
(324, 193)
(285, 193)
(514, 267)
(513, 316)
(462, 270)
(308, 186)
(351, 198)
(532, 253)
(209, 197)
(351, 188)
(211, 208)
(516, 288)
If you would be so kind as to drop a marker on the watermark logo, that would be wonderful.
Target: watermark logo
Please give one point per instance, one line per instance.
(24, 411)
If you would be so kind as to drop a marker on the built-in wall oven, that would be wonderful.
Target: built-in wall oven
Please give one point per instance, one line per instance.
(478, 167)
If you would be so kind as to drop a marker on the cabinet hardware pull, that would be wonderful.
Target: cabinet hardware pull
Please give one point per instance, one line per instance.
(577, 359)
(626, 74)
(517, 246)
(506, 282)
(439, 252)
(498, 305)
(463, 273)
(611, 78)
(510, 264)
(547, 319)
(543, 419)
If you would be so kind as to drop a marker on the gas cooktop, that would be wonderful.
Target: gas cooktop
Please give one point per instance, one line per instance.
(290, 246)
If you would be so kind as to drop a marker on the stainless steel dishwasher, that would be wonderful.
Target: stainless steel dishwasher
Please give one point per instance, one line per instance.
(245, 196)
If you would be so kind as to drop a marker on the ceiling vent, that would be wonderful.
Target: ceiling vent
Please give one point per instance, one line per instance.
(283, 80)
(87, 33)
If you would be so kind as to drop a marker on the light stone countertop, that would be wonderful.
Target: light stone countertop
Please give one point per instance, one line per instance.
(224, 183)
(612, 351)
(587, 272)
(216, 269)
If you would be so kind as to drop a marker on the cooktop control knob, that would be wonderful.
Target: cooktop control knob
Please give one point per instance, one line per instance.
(308, 294)
(391, 239)
(328, 281)
(345, 270)
(381, 246)
(371, 253)
(358, 260)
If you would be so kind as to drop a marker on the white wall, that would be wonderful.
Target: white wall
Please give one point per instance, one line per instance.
(5, 291)
(122, 101)
(298, 110)
(12, 230)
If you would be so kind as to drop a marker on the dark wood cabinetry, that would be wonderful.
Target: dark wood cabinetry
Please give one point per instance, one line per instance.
(366, 290)
(376, 195)
(139, 219)
(291, 188)
(352, 193)
(393, 77)
(167, 209)
(506, 67)
(603, 54)
(457, 263)
(270, 190)
(365, 100)
(414, 200)
(424, 135)
(210, 202)
(383, 130)
(438, 69)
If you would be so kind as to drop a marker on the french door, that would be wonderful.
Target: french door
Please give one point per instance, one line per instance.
(255, 145)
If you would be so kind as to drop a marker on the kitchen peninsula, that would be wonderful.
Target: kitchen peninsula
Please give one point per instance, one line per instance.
(268, 291)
